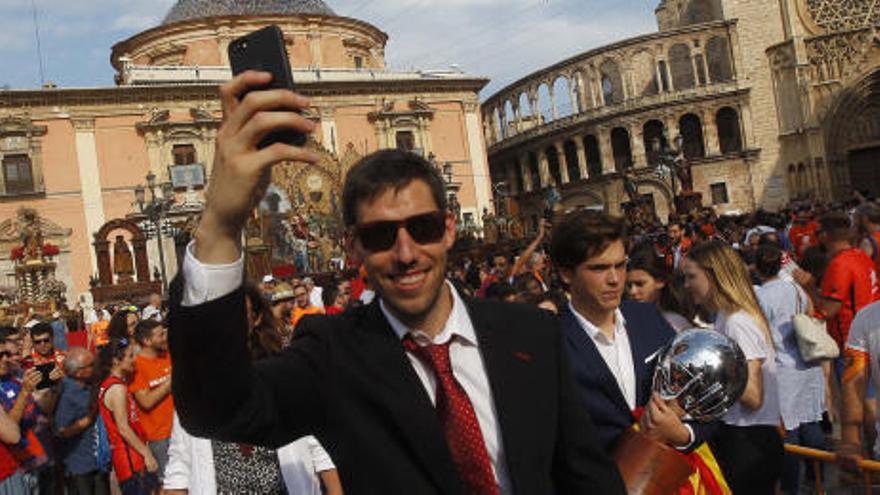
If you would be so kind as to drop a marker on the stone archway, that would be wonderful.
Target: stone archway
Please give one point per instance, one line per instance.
(852, 135)
(102, 250)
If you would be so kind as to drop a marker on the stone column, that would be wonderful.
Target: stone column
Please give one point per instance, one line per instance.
(544, 169)
(553, 107)
(606, 150)
(669, 74)
(90, 177)
(710, 131)
(637, 145)
(660, 88)
(582, 158)
(563, 162)
(591, 87)
(526, 173)
(694, 67)
(517, 119)
(478, 157)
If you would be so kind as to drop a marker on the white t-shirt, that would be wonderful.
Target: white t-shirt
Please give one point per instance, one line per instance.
(864, 336)
(746, 332)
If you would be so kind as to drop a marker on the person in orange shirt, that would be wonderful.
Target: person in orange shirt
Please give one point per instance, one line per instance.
(151, 387)
(303, 305)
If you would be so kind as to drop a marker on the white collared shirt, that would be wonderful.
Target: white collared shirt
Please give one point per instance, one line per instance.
(469, 370)
(616, 352)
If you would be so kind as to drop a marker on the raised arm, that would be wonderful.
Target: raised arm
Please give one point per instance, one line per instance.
(217, 392)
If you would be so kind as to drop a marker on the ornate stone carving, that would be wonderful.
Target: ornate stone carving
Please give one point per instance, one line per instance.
(831, 57)
(840, 15)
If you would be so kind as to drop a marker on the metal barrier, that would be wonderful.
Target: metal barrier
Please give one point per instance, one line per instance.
(866, 467)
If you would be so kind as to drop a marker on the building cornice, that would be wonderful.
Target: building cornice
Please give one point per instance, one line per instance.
(15, 100)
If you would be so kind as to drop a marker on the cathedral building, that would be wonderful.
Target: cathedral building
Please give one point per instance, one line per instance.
(767, 101)
(77, 156)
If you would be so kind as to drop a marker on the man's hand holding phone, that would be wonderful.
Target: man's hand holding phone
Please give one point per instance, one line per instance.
(242, 170)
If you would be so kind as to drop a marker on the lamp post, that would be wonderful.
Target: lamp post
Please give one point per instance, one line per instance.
(668, 160)
(155, 211)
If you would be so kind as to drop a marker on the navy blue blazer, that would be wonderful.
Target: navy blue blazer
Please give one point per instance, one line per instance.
(648, 332)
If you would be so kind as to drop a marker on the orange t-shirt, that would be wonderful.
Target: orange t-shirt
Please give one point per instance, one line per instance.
(100, 330)
(850, 280)
(298, 313)
(150, 373)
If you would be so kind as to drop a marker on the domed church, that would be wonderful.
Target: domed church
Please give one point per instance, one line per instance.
(77, 156)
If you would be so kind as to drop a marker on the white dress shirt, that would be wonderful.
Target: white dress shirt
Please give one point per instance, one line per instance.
(468, 369)
(204, 283)
(616, 352)
(191, 464)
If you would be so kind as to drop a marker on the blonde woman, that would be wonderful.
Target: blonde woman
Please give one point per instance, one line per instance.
(748, 446)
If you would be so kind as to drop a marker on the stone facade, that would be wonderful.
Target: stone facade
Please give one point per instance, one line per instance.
(774, 101)
(77, 155)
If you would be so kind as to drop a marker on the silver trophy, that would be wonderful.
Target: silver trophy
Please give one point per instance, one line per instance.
(704, 371)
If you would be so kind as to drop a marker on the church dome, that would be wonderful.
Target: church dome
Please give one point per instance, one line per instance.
(186, 10)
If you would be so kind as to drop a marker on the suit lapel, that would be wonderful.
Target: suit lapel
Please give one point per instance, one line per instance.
(409, 404)
(640, 350)
(589, 356)
(509, 380)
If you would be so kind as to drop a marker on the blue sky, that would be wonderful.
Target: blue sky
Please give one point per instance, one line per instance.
(501, 39)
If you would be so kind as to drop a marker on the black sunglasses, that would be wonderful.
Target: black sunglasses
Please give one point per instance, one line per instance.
(426, 228)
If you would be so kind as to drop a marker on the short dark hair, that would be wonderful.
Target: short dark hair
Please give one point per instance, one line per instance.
(644, 257)
(377, 172)
(768, 260)
(328, 295)
(583, 234)
(144, 330)
(836, 227)
(41, 328)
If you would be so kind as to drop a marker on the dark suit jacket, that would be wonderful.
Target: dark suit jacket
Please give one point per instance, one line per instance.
(347, 380)
(648, 332)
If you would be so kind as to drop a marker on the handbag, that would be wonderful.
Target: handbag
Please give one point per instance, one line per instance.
(813, 340)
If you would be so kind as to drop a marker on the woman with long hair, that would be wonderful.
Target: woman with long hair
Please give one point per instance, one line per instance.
(748, 445)
(132, 459)
(121, 326)
(801, 384)
(650, 280)
(202, 466)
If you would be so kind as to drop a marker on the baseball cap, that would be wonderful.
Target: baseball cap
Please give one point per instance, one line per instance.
(268, 279)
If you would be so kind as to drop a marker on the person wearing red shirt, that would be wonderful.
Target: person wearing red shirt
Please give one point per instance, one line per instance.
(803, 232)
(132, 459)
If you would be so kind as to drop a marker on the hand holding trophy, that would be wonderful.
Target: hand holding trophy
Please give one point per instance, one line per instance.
(703, 373)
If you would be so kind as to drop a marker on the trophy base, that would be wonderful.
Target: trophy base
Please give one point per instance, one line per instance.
(648, 467)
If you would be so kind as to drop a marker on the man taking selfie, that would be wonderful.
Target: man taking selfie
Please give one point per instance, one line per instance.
(417, 392)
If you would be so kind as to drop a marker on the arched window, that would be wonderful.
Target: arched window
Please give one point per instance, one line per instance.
(729, 137)
(653, 130)
(562, 96)
(718, 60)
(594, 156)
(681, 66)
(553, 165)
(621, 148)
(545, 110)
(612, 83)
(571, 159)
(692, 136)
(534, 171)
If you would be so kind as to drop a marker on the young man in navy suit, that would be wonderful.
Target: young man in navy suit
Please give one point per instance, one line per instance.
(613, 345)
(419, 392)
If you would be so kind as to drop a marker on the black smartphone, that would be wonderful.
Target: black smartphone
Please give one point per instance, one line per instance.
(45, 370)
(264, 51)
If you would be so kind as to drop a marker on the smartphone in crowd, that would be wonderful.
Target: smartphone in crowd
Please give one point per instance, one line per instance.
(264, 51)
(45, 369)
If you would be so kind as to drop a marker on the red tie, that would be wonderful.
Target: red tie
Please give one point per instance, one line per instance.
(460, 425)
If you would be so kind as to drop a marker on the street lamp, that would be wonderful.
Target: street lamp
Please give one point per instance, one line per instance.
(156, 211)
(668, 160)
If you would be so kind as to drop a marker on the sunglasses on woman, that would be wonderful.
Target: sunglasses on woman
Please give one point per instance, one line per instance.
(426, 228)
